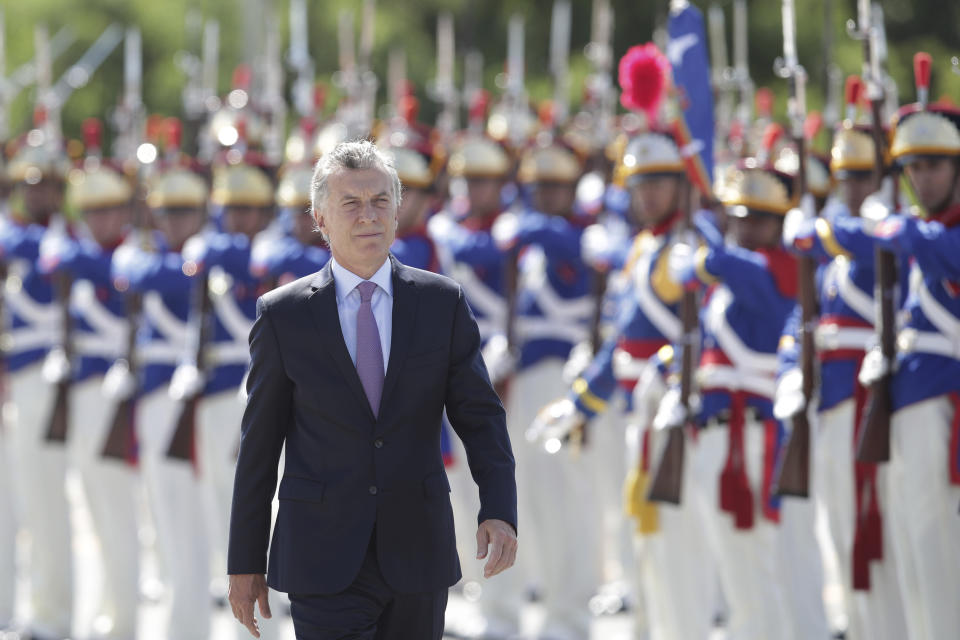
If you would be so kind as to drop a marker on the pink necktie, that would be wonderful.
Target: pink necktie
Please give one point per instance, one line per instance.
(369, 353)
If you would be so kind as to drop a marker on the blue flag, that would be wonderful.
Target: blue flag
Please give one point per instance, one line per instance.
(687, 52)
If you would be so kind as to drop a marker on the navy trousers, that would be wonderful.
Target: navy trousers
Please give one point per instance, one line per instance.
(369, 610)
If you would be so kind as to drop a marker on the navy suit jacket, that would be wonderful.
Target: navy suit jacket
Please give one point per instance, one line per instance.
(348, 473)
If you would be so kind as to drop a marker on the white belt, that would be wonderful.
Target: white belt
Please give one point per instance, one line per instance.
(29, 338)
(227, 353)
(913, 341)
(534, 328)
(160, 353)
(830, 337)
(94, 345)
(715, 376)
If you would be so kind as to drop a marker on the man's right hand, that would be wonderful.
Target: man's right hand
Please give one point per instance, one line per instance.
(244, 590)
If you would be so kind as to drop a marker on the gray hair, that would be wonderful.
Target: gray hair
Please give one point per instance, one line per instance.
(355, 154)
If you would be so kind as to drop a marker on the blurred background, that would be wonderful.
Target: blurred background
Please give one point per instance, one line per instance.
(173, 41)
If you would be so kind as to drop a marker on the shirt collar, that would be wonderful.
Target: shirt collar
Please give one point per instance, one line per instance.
(346, 281)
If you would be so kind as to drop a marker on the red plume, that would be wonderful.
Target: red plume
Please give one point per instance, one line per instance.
(308, 125)
(174, 133)
(92, 131)
(644, 75)
(921, 69)
(241, 77)
(319, 96)
(771, 135)
(478, 105)
(852, 90)
(408, 107)
(764, 102)
(154, 127)
(39, 116)
(812, 125)
(546, 114)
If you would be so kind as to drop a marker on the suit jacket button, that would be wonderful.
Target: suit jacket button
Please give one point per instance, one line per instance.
(373, 491)
(378, 443)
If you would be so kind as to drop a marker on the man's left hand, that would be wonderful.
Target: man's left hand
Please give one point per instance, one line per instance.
(496, 541)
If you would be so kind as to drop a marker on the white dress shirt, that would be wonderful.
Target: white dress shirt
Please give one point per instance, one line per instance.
(348, 303)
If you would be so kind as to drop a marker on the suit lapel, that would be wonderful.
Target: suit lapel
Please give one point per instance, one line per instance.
(404, 320)
(323, 307)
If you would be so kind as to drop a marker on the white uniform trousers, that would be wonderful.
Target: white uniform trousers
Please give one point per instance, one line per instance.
(110, 487)
(876, 614)
(40, 473)
(801, 565)
(8, 524)
(218, 439)
(676, 570)
(923, 517)
(559, 519)
(606, 434)
(173, 494)
(747, 560)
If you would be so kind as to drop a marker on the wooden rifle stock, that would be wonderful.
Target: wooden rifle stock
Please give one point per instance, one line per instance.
(121, 439)
(58, 422)
(184, 434)
(666, 484)
(511, 278)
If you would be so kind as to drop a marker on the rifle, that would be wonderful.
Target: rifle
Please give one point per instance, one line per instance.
(444, 89)
(300, 60)
(666, 483)
(58, 422)
(601, 95)
(741, 68)
(182, 444)
(792, 476)
(121, 437)
(874, 442)
(560, 60)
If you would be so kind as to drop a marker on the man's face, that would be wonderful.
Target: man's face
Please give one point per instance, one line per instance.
(855, 188)
(757, 230)
(108, 224)
(654, 199)
(179, 224)
(42, 199)
(934, 181)
(359, 216)
(413, 208)
(484, 194)
(246, 220)
(555, 198)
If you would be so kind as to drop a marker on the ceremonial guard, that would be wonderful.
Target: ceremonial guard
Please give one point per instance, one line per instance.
(154, 268)
(552, 312)
(852, 493)
(34, 325)
(923, 389)
(752, 292)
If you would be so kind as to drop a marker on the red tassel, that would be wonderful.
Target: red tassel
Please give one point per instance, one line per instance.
(770, 512)
(868, 525)
(736, 497)
(861, 563)
(873, 524)
(645, 451)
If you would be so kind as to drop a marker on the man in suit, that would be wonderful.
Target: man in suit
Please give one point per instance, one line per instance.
(364, 540)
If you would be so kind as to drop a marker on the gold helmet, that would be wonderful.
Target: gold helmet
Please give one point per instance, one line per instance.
(294, 188)
(177, 188)
(749, 186)
(649, 153)
(37, 160)
(819, 181)
(98, 187)
(508, 125)
(930, 131)
(925, 130)
(241, 185)
(550, 162)
(852, 150)
(478, 156)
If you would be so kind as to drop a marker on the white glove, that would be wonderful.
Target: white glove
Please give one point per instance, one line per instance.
(796, 217)
(498, 358)
(554, 423)
(680, 261)
(880, 204)
(505, 229)
(186, 381)
(119, 383)
(595, 247)
(874, 367)
(56, 366)
(577, 362)
(788, 399)
(650, 389)
(670, 412)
